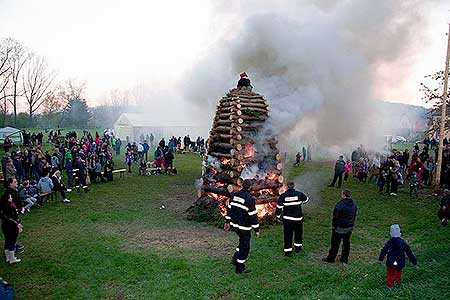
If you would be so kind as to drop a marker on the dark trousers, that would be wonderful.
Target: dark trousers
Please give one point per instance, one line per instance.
(242, 250)
(292, 228)
(81, 180)
(392, 185)
(413, 189)
(336, 242)
(10, 232)
(336, 176)
(62, 191)
(69, 178)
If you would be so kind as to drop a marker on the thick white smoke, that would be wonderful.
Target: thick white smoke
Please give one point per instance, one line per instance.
(315, 61)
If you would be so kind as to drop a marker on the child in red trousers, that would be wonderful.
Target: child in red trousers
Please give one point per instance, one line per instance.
(395, 249)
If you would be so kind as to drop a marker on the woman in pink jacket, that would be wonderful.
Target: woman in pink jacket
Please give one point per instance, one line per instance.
(348, 168)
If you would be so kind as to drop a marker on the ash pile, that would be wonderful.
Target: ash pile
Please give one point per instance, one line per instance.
(239, 148)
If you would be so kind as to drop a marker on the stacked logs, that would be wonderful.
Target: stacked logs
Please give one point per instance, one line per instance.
(236, 151)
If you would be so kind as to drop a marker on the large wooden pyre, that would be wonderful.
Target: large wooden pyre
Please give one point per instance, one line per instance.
(240, 147)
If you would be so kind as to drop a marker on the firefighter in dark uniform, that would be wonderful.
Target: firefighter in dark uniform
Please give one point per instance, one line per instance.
(290, 203)
(242, 218)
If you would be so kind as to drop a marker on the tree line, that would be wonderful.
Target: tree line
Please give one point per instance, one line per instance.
(31, 95)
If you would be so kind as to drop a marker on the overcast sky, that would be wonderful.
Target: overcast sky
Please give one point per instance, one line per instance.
(113, 44)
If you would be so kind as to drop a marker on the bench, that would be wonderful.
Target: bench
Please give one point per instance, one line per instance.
(120, 171)
(51, 195)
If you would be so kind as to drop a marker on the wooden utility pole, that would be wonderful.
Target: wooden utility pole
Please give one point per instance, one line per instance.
(437, 179)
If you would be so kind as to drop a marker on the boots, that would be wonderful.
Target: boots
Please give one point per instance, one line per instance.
(11, 257)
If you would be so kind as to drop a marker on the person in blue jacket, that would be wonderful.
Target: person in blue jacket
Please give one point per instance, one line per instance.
(395, 250)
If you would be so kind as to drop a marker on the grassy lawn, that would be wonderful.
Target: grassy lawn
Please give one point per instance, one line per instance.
(116, 243)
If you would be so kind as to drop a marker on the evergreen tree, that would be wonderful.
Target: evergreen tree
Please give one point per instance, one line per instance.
(77, 113)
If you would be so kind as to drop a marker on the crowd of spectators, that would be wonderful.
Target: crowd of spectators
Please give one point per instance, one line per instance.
(391, 170)
(163, 155)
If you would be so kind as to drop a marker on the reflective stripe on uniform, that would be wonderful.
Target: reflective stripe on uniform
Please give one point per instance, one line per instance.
(293, 203)
(240, 206)
(240, 261)
(240, 227)
(227, 217)
(292, 218)
(279, 206)
(238, 199)
(289, 199)
(252, 213)
(288, 250)
(298, 245)
(255, 226)
(237, 249)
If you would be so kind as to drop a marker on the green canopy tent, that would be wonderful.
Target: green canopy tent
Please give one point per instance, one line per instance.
(13, 133)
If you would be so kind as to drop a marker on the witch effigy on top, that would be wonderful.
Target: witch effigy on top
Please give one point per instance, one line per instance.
(240, 147)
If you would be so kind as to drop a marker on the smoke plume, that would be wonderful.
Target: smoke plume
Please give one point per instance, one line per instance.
(315, 61)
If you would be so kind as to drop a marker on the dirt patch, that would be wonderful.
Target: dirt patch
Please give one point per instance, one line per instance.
(206, 241)
(181, 199)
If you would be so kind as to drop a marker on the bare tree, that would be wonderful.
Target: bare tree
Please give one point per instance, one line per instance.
(5, 68)
(37, 80)
(17, 59)
(433, 93)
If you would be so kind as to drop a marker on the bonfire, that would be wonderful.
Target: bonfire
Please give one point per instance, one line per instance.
(240, 147)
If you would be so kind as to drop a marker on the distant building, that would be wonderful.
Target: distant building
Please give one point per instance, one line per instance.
(131, 126)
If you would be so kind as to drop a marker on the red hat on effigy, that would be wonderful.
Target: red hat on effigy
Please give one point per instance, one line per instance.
(243, 75)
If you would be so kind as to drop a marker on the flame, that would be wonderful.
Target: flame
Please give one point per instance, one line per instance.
(221, 202)
(226, 161)
(266, 209)
(266, 192)
(272, 177)
(282, 189)
(249, 150)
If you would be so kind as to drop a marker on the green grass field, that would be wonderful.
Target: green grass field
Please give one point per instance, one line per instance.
(116, 243)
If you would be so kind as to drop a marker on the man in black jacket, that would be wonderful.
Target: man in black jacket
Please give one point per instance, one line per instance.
(344, 216)
(242, 217)
(290, 203)
(339, 169)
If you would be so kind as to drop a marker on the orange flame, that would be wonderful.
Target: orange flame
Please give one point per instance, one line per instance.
(249, 150)
(266, 209)
(272, 177)
(226, 161)
(266, 192)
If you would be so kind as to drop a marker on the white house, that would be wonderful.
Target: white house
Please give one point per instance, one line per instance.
(130, 126)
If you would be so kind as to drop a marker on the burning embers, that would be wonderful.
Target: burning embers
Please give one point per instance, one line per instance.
(237, 151)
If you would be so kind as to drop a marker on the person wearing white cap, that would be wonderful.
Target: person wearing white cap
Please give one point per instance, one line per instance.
(395, 250)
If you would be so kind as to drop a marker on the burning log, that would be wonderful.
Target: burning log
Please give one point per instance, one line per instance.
(222, 190)
(264, 185)
(224, 146)
(248, 118)
(218, 154)
(225, 137)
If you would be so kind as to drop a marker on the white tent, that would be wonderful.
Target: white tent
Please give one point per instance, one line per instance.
(13, 133)
(130, 126)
